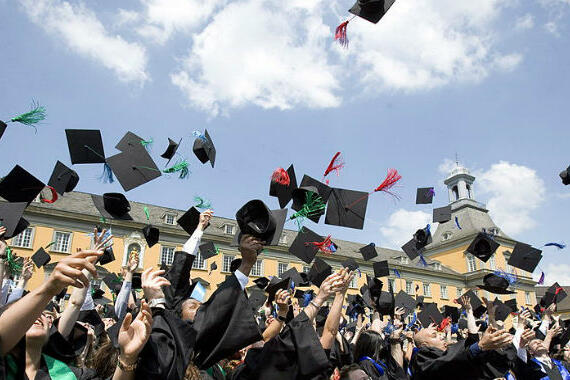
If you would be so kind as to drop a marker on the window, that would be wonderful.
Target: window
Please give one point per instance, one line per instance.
(24, 239)
(257, 269)
(527, 298)
(199, 262)
(437, 266)
(281, 268)
(443, 291)
(391, 284)
(229, 229)
(354, 283)
(404, 260)
(167, 255)
(469, 194)
(283, 239)
(455, 192)
(170, 219)
(459, 292)
(410, 287)
(62, 242)
(471, 264)
(492, 263)
(427, 290)
(226, 263)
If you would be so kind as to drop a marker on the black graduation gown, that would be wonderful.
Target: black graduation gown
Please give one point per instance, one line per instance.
(432, 363)
(296, 353)
(532, 371)
(341, 354)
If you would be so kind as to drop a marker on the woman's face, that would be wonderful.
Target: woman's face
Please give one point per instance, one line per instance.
(40, 329)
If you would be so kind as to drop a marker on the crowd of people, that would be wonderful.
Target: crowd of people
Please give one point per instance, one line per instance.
(165, 333)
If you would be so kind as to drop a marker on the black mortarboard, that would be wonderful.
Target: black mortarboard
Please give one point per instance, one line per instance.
(171, 149)
(261, 282)
(369, 251)
(351, 264)
(235, 264)
(275, 284)
(113, 282)
(512, 303)
(381, 268)
(208, 250)
(430, 314)
(293, 274)
(11, 218)
(476, 303)
(452, 312)
(133, 168)
(257, 298)
(442, 214)
(495, 284)
(374, 286)
(323, 190)
(371, 10)
(63, 179)
(301, 246)
(284, 193)
(137, 281)
(319, 272)
(424, 195)
(20, 186)
(112, 206)
(99, 299)
(423, 237)
(255, 218)
(502, 311)
(385, 304)
(93, 318)
(204, 148)
(190, 220)
(300, 294)
(554, 294)
(151, 235)
(3, 127)
(406, 301)
(85, 146)
(300, 197)
(525, 257)
(419, 301)
(130, 142)
(213, 266)
(41, 258)
(482, 247)
(564, 176)
(107, 257)
(347, 208)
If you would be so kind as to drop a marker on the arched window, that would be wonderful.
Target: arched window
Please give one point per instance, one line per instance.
(455, 192)
(469, 195)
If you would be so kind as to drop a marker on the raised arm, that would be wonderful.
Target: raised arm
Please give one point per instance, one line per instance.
(283, 300)
(328, 287)
(122, 301)
(471, 325)
(333, 319)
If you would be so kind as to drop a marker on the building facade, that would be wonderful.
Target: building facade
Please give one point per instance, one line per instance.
(449, 272)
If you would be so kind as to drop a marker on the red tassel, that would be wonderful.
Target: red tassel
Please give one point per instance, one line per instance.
(323, 246)
(54, 196)
(335, 165)
(340, 34)
(281, 177)
(444, 324)
(391, 178)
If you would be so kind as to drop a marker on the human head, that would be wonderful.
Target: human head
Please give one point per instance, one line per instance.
(189, 308)
(428, 337)
(38, 333)
(536, 347)
(353, 372)
(370, 344)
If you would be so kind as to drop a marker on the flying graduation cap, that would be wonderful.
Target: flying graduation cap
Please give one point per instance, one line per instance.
(301, 246)
(370, 10)
(86, 147)
(424, 195)
(204, 148)
(255, 218)
(483, 246)
(319, 271)
(20, 186)
(11, 218)
(190, 220)
(565, 176)
(112, 206)
(170, 150)
(369, 251)
(338, 212)
(151, 233)
(63, 179)
(525, 257)
(442, 214)
(36, 114)
(41, 258)
(282, 185)
(208, 250)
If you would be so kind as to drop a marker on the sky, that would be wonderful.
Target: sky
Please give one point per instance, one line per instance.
(484, 81)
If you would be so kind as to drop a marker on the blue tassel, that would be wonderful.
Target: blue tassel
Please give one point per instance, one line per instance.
(307, 298)
(107, 176)
(423, 261)
(541, 279)
(397, 273)
(454, 328)
(557, 245)
(389, 329)
(510, 277)
(199, 135)
(428, 228)
(457, 223)
(412, 322)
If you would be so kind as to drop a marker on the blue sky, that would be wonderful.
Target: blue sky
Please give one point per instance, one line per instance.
(487, 81)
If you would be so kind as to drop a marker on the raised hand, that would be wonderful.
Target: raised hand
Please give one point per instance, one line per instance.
(527, 336)
(152, 284)
(283, 300)
(465, 300)
(249, 246)
(345, 277)
(205, 219)
(3, 244)
(27, 269)
(398, 312)
(329, 286)
(494, 339)
(99, 242)
(68, 271)
(133, 263)
(133, 335)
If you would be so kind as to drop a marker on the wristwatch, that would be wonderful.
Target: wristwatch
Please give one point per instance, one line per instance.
(281, 318)
(157, 302)
(126, 367)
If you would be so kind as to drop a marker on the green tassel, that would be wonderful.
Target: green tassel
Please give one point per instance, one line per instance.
(314, 205)
(147, 143)
(202, 203)
(49, 245)
(147, 213)
(11, 262)
(34, 116)
(217, 250)
(181, 167)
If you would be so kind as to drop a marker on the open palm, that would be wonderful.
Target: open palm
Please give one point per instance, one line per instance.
(134, 334)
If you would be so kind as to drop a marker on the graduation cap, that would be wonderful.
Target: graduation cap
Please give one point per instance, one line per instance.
(525, 257)
(305, 278)
(424, 195)
(371, 10)
(257, 299)
(512, 303)
(11, 218)
(293, 274)
(151, 235)
(369, 251)
(381, 268)
(319, 271)
(204, 148)
(113, 282)
(284, 192)
(208, 250)
(502, 311)
(92, 317)
(85, 146)
(133, 168)
(131, 142)
(410, 249)
(476, 303)
(495, 284)
(385, 304)
(554, 294)
(190, 220)
(374, 286)
(406, 301)
(20, 186)
(41, 258)
(565, 176)
(308, 203)
(442, 214)
(261, 282)
(301, 246)
(430, 314)
(63, 179)
(137, 281)
(213, 266)
(323, 190)
(107, 257)
(112, 206)
(99, 299)
(276, 284)
(422, 237)
(171, 149)
(255, 218)
(482, 247)
(419, 301)
(351, 264)
(452, 312)
(347, 208)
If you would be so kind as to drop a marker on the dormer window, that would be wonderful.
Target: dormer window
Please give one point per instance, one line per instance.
(446, 235)
(170, 219)
(229, 229)
(404, 260)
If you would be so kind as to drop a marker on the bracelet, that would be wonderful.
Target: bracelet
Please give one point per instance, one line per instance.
(314, 304)
(126, 367)
(281, 318)
(157, 302)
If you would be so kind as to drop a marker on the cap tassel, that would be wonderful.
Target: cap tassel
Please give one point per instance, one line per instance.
(32, 117)
(541, 279)
(54, 196)
(326, 246)
(107, 176)
(335, 165)
(147, 143)
(510, 277)
(444, 324)
(557, 245)
(147, 213)
(11, 262)
(199, 135)
(397, 273)
(181, 167)
(281, 177)
(423, 261)
(391, 179)
(314, 205)
(412, 322)
(202, 203)
(340, 34)
(457, 223)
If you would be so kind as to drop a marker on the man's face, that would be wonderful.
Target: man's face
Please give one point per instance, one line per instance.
(189, 309)
(358, 375)
(536, 347)
(430, 338)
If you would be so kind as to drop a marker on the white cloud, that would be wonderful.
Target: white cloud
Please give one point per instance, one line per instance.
(555, 273)
(507, 62)
(426, 44)
(164, 17)
(552, 28)
(264, 52)
(81, 31)
(525, 22)
(514, 192)
(446, 166)
(401, 225)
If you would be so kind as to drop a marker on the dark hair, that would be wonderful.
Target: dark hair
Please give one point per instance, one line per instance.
(104, 360)
(347, 369)
(370, 344)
